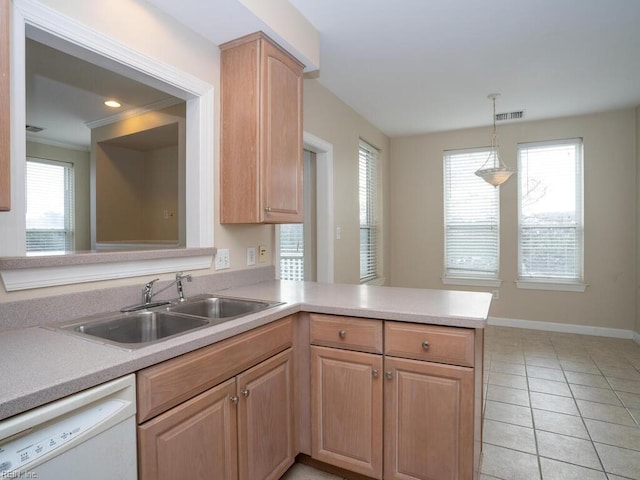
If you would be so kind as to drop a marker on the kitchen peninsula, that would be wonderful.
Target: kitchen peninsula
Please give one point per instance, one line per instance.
(352, 322)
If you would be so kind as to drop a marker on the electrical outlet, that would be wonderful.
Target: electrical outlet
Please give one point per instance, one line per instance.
(222, 259)
(262, 254)
(251, 255)
(495, 294)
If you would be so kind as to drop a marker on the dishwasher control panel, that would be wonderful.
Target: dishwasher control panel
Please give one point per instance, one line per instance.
(24, 448)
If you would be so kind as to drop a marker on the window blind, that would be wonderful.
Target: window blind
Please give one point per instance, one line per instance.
(550, 200)
(471, 216)
(368, 160)
(49, 217)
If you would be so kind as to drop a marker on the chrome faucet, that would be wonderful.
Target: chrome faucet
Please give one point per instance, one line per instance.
(148, 293)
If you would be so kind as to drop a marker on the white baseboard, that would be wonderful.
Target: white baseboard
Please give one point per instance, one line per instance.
(565, 328)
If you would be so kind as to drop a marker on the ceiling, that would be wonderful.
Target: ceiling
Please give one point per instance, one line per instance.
(417, 66)
(407, 66)
(66, 94)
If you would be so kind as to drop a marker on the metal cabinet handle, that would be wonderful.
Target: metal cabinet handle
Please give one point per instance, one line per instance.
(342, 334)
(234, 399)
(388, 375)
(375, 373)
(267, 209)
(245, 393)
(425, 345)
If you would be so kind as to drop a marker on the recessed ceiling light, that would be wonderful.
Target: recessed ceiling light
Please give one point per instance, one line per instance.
(112, 104)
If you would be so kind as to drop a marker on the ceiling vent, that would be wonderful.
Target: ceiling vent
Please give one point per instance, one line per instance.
(500, 117)
(34, 129)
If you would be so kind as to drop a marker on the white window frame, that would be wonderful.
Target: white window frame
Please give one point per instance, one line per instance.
(470, 278)
(368, 157)
(551, 282)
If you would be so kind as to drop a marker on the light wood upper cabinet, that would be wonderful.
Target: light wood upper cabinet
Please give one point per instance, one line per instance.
(261, 134)
(5, 113)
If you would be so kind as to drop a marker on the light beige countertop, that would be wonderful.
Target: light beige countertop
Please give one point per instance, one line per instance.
(40, 365)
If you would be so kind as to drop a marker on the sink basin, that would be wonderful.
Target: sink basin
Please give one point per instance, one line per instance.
(141, 328)
(220, 307)
(137, 329)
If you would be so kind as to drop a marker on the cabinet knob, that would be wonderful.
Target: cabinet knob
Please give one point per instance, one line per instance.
(375, 373)
(425, 345)
(267, 209)
(234, 399)
(342, 334)
(388, 375)
(245, 393)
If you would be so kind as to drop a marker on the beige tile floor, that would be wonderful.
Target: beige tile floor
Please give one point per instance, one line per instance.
(557, 407)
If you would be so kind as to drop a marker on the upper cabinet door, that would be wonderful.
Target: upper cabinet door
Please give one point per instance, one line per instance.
(261, 134)
(5, 114)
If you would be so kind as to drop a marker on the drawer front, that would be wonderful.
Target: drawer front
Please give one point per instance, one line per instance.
(360, 334)
(433, 343)
(170, 383)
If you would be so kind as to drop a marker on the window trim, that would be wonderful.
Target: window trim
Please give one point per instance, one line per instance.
(555, 283)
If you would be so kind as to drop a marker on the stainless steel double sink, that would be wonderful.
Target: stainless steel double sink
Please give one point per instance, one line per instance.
(144, 327)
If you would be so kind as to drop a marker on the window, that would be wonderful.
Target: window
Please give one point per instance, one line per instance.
(368, 216)
(550, 244)
(49, 217)
(291, 241)
(471, 217)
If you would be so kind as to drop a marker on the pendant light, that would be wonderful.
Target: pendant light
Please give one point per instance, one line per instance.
(493, 170)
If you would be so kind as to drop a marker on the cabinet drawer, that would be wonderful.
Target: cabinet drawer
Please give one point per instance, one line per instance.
(433, 343)
(364, 335)
(170, 383)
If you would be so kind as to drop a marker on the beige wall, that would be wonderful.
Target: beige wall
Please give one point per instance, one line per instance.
(327, 117)
(609, 205)
(80, 160)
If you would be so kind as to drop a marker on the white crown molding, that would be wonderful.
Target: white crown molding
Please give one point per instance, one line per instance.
(34, 138)
(133, 112)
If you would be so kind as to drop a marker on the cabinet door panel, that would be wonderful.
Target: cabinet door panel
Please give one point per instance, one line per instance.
(346, 409)
(282, 103)
(196, 440)
(428, 421)
(265, 419)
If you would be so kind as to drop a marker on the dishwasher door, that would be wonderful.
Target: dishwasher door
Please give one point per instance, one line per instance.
(91, 434)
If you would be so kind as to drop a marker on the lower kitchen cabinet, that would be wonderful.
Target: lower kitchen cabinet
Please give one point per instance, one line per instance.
(265, 419)
(241, 429)
(223, 412)
(346, 410)
(197, 439)
(429, 415)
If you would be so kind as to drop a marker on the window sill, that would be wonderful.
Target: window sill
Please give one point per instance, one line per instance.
(23, 273)
(551, 285)
(374, 281)
(472, 281)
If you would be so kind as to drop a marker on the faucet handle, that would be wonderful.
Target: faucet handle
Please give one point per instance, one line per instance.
(182, 276)
(147, 291)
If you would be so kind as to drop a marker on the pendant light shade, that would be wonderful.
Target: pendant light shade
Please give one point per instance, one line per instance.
(493, 170)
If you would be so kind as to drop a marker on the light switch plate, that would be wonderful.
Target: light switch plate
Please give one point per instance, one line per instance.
(251, 255)
(222, 259)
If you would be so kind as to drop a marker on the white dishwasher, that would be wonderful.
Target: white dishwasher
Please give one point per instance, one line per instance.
(91, 434)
